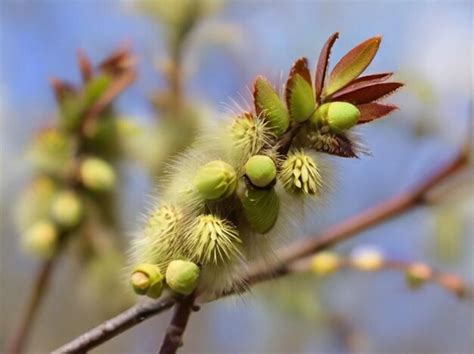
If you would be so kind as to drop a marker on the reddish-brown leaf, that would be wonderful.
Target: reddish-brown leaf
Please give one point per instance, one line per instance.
(300, 67)
(62, 89)
(352, 64)
(367, 93)
(381, 77)
(322, 65)
(118, 62)
(332, 143)
(374, 110)
(85, 65)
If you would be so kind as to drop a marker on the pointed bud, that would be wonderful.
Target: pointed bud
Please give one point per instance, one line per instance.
(97, 175)
(261, 170)
(337, 115)
(66, 209)
(182, 276)
(325, 263)
(417, 274)
(368, 259)
(300, 173)
(261, 208)
(146, 279)
(216, 180)
(41, 239)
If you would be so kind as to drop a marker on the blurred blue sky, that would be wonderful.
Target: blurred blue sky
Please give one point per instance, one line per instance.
(426, 41)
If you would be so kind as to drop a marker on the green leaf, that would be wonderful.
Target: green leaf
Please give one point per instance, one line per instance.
(299, 93)
(352, 64)
(270, 106)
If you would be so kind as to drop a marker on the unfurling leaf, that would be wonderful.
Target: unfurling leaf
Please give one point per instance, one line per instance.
(366, 93)
(322, 66)
(352, 64)
(374, 110)
(299, 92)
(270, 106)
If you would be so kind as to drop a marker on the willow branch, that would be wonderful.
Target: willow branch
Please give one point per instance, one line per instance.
(41, 283)
(174, 334)
(116, 325)
(385, 210)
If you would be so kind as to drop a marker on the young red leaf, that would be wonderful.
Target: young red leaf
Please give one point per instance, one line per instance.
(268, 103)
(299, 92)
(374, 110)
(62, 89)
(352, 64)
(367, 93)
(322, 65)
(381, 77)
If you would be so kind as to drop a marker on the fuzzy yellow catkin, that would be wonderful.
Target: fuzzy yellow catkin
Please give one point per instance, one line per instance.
(325, 263)
(41, 239)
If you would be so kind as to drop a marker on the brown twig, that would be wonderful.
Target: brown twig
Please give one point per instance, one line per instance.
(116, 325)
(41, 283)
(338, 233)
(174, 334)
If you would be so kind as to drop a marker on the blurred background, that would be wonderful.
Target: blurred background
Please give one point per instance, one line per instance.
(219, 52)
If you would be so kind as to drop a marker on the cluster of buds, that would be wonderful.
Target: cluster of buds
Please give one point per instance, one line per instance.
(70, 157)
(228, 193)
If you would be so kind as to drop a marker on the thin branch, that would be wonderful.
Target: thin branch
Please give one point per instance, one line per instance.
(345, 230)
(375, 215)
(174, 334)
(116, 325)
(41, 283)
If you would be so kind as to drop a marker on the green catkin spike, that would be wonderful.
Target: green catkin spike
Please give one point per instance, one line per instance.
(67, 209)
(215, 180)
(249, 135)
(159, 242)
(261, 170)
(337, 115)
(97, 175)
(212, 240)
(301, 174)
(261, 207)
(301, 99)
(182, 276)
(147, 279)
(268, 103)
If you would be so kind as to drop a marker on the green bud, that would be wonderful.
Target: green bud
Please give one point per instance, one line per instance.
(417, 274)
(261, 170)
(97, 175)
(216, 180)
(66, 209)
(146, 279)
(337, 115)
(261, 207)
(182, 276)
(41, 239)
